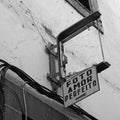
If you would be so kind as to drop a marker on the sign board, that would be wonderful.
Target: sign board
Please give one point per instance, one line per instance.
(80, 85)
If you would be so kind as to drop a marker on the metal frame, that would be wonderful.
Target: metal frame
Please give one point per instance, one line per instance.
(71, 32)
(58, 78)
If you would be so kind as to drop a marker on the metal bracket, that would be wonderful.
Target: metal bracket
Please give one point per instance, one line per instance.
(50, 50)
(54, 76)
(54, 80)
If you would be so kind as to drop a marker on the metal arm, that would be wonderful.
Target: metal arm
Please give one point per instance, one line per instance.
(70, 33)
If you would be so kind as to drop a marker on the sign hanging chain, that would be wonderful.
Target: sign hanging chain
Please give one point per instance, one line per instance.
(103, 56)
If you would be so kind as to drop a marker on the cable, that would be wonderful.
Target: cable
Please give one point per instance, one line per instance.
(4, 62)
(25, 77)
(2, 73)
(2, 100)
(41, 89)
(100, 42)
(35, 24)
(24, 99)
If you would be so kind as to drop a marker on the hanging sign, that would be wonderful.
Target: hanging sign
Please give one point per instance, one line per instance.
(80, 85)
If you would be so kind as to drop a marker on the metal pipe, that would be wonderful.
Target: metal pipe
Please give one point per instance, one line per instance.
(78, 27)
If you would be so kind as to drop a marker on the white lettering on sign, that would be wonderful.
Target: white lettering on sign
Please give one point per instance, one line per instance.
(80, 86)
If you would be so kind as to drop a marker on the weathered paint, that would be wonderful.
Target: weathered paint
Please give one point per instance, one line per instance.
(26, 26)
